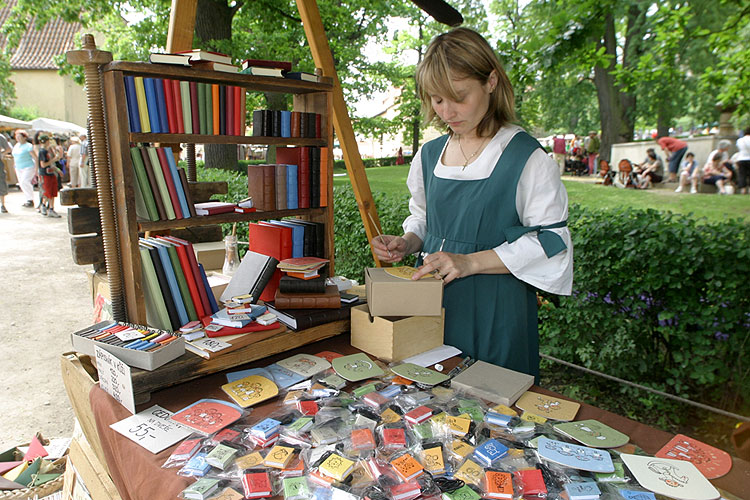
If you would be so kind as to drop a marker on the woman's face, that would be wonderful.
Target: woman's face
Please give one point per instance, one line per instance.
(20, 137)
(464, 114)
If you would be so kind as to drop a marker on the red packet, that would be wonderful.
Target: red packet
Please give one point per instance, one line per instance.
(308, 407)
(256, 485)
(208, 415)
(711, 462)
(531, 481)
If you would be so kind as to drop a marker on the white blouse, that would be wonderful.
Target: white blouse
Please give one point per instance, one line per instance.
(541, 199)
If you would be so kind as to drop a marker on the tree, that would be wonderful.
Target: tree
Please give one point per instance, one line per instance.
(7, 89)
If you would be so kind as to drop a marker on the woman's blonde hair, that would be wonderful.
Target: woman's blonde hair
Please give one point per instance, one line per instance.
(464, 53)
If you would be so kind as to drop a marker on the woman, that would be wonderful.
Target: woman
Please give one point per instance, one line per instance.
(651, 171)
(488, 209)
(743, 162)
(24, 158)
(74, 160)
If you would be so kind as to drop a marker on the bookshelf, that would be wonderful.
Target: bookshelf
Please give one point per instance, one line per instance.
(308, 97)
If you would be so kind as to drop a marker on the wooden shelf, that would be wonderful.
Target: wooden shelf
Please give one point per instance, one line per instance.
(226, 139)
(256, 83)
(203, 220)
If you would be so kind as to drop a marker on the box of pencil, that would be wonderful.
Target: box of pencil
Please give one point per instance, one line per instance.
(136, 345)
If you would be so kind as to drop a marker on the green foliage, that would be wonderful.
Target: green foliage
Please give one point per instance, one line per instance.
(385, 161)
(658, 299)
(237, 190)
(25, 113)
(7, 88)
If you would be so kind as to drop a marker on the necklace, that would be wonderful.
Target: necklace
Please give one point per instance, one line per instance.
(469, 158)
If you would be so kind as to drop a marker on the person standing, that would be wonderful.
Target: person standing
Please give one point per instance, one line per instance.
(24, 158)
(743, 162)
(558, 149)
(74, 161)
(591, 144)
(488, 209)
(675, 150)
(48, 175)
(4, 149)
(83, 166)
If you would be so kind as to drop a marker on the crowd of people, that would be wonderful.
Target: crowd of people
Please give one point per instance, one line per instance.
(577, 156)
(46, 162)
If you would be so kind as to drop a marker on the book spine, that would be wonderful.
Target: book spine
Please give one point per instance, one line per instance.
(240, 113)
(303, 127)
(269, 185)
(132, 103)
(202, 113)
(208, 103)
(161, 102)
(169, 102)
(295, 285)
(195, 108)
(265, 126)
(303, 178)
(324, 177)
(318, 125)
(153, 109)
(215, 110)
(140, 94)
(276, 123)
(182, 283)
(174, 288)
(280, 182)
(187, 113)
(255, 188)
(179, 187)
(286, 124)
(257, 122)
(295, 126)
(164, 288)
(169, 179)
(156, 310)
(162, 183)
(188, 194)
(222, 109)
(231, 121)
(211, 298)
(311, 125)
(143, 184)
(264, 278)
(177, 95)
(315, 177)
(292, 197)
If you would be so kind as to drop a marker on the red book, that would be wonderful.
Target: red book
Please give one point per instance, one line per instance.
(231, 122)
(169, 98)
(194, 107)
(323, 177)
(318, 124)
(273, 241)
(239, 112)
(261, 186)
(197, 276)
(256, 485)
(251, 327)
(213, 208)
(394, 438)
(308, 407)
(532, 481)
(303, 177)
(265, 63)
(189, 277)
(170, 183)
(177, 94)
(418, 415)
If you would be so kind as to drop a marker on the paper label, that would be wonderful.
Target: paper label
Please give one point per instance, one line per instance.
(114, 378)
(212, 345)
(129, 334)
(152, 429)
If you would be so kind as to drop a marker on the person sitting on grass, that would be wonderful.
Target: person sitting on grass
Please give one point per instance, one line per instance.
(687, 171)
(49, 173)
(651, 171)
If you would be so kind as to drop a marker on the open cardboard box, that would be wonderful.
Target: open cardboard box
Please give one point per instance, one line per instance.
(391, 296)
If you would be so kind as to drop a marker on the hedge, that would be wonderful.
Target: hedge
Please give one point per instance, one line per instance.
(386, 161)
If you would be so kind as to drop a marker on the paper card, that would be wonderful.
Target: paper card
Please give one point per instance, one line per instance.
(636, 495)
(250, 390)
(229, 494)
(548, 406)
(234, 376)
(406, 272)
(712, 462)
(419, 374)
(208, 416)
(152, 428)
(283, 377)
(433, 356)
(356, 367)
(577, 457)
(211, 344)
(306, 365)
(592, 433)
(114, 378)
(673, 478)
(532, 417)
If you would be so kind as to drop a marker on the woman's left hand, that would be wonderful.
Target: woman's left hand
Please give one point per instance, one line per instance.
(448, 266)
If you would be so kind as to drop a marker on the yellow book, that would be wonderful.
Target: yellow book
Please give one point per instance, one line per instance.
(504, 410)
(389, 416)
(461, 449)
(530, 417)
(279, 457)
(250, 390)
(433, 461)
(250, 460)
(459, 425)
(337, 467)
(439, 418)
(140, 96)
(470, 472)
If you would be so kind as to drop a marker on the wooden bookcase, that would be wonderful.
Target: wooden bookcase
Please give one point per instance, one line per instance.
(312, 97)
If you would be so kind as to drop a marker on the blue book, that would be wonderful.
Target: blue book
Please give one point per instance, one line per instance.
(282, 377)
(292, 199)
(161, 101)
(133, 114)
(265, 428)
(489, 451)
(298, 237)
(209, 292)
(232, 376)
(174, 287)
(286, 124)
(178, 183)
(585, 490)
(153, 108)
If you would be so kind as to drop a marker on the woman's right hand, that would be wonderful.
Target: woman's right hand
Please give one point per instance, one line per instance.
(389, 248)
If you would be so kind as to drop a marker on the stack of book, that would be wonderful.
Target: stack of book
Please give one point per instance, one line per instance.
(164, 106)
(303, 287)
(197, 58)
(276, 123)
(299, 179)
(264, 67)
(161, 189)
(176, 289)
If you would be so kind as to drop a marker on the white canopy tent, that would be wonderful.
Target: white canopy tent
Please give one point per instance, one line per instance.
(56, 126)
(8, 122)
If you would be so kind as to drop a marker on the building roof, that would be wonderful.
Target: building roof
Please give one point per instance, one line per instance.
(37, 48)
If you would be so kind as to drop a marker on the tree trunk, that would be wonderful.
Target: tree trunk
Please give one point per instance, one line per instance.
(663, 119)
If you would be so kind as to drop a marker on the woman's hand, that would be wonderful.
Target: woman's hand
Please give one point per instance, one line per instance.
(448, 266)
(390, 248)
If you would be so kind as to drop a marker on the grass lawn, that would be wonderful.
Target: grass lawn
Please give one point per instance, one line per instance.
(392, 180)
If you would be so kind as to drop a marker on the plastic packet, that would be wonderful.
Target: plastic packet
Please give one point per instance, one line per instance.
(203, 488)
(196, 466)
(258, 483)
(470, 472)
(433, 459)
(406, 465)
(184, 451)
(361, 441)
(392, 437)
(296, 488)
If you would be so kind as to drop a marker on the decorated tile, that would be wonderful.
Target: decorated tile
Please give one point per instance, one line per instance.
(232, 376)
(208, 416)
(356, 367)
(636, 495)
(418, 374)
(250, 390)
(306, 365)
(673, 478)
(712, 462)
(548, 406)
(284, 377)
(577, 457)
(328, 355)
(592, 433)
(406, 272)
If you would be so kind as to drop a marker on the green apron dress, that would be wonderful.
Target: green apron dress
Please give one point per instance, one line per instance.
(492, 317)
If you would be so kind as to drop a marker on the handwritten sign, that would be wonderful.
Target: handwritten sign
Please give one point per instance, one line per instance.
(153, 429)
(114, 378)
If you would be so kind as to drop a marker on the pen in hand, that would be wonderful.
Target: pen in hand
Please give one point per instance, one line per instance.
(380, 235)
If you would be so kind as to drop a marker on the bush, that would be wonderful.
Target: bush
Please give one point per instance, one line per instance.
(374, 162)
(658, 299)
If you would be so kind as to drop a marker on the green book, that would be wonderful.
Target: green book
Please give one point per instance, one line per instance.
(181, 281)
(161, 182)
(296, 488)
(187, 115)
(143, 188)
(202, 107)
(156, 311)
(209, 109)
(463, 493)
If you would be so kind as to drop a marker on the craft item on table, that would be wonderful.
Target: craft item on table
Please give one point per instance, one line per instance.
(418, 415)
(302, 264)
(324, 434)
(296, 488)
(433, 459)
(574, 456)
(391, 391)
(405, 491)
(154, 429)
(375, 400)
(402, 381)
(389, 416)
(246, 298)
(532, 418)
(249, 461)
(208, 416)
(406, 272)
(328, 355)
(582, 491)
(284, 378)
(470, 472)
(548, 406)
(196, 466)
(673, 478)
(417, 398)
(407, 467)
(636, 495)
(531, 481)
(523, 428)
(499, 419)
(267, 319)
(356, 367)
(362, 440)
(492, 382)
(504, 410)
(234, 376)
(192, 336)
(336, 466)
(306, 365)
(498, 484)
(221, 456)
(471, 408)
(465, 492)
(618, 476)
(592, 433)
(364, 389)
(226, 435)
(302, 424)
(490, 451)
(334, 381)
(228, 493)
(35, 450)
(418, 374)
(393, 438)
(712, 462)
(256, 484)
(423, 431)
(279, 456)
(29, 474)
(202, 489)
(361, 475)
(461, 449)
(250, 390)
(296, 468)
(320, 479)
(265, 428)
(459, 425)
(10, 465)
(365, 421)
(308, 407)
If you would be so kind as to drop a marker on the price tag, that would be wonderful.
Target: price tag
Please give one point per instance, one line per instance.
(114, 378)
(210, 344)
(152, 429)
(129, 334)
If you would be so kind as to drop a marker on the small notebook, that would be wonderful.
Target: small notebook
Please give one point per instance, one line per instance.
(493, 383)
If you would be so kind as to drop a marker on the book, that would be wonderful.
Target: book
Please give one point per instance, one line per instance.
(176, 59)
(301, 75)
(151, 104)
(493, 383)
(328, 300)
(274, 241)
(206, 55)
(407, 467)
(405, 491)
(296, 488)
(490, 451)
(202, 489)
(134, 118)
(161, 103)
(173, 286)
(286, 123)
(261, 186)
(433, 459)
(203, 291)
(532, 481)
(221, 456)
(188, 194)
(180, 188)
(279, 456)
(140, 94)
(251, 390)
(214, 124)
(314, 177)
(336, 466)
(498, 484)
(215, 66)
(256, 484)
(463, 493)
(265, 63)
(161, 182)
(169, 101)
(213, 208)
(582, 491)
(290, 285)
(231, 122)
(180, 275)
(156, 309)
(302, 319)
(143, 186)
(323, 177)
(239, 112)
(187, 112)
(292, 198)
(222, 109)
(418, 415)
(189, 276)
(297, 234)
(160, 208)
(251, 277)
(234, 342)
(260, 71)
(195, 107)
(177, 96)
(221, 317)
(280, 184)
(170, 182)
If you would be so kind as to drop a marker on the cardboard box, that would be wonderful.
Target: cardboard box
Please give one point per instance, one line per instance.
(210, 254)
(218, 282)
(395, 338)
(391, 296)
